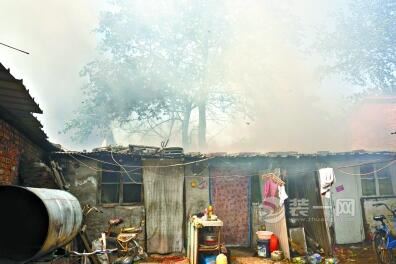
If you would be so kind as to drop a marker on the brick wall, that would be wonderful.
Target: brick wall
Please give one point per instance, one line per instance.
(14, 147)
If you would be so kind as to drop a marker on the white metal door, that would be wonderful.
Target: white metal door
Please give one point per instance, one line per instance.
(348, 220)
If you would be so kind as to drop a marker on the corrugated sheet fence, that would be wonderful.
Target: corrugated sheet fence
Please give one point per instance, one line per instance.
(163, 194)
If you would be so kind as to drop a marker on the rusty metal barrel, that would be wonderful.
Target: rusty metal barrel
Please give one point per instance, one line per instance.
(36, 221)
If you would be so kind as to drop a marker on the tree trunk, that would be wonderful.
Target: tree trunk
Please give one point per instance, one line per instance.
(202, 126)
(204, 83)
(109, 138)
(185, 126)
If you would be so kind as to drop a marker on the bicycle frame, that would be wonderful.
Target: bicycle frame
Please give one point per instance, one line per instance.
(126, 237)
(390, 240)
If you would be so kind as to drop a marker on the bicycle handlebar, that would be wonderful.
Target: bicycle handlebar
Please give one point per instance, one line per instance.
(88, 209)
(387, 207)
(96, 252)
(378, 204)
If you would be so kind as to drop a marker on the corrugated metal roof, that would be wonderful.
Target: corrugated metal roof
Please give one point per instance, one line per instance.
(5, 74)
(241, 154)
(29, 126)
(14, 95)
(298, 154)
(17, 106)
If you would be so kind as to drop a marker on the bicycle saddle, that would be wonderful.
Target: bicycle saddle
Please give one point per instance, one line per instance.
(379, 218)
(135, 230)
(115, 221)
(126, 237)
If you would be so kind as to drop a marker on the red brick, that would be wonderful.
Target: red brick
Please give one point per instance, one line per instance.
(13, 146)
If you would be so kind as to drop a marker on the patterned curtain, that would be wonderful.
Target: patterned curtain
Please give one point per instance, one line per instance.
(230, 198)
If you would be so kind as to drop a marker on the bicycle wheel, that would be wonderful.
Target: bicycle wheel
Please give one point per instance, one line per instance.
(384, 255)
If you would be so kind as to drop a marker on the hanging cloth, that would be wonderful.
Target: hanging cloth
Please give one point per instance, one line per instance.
(327, 178)
(282, 194)
(163, 198)
(270, 189)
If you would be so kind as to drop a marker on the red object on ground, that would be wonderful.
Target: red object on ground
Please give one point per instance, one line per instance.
(274, 243)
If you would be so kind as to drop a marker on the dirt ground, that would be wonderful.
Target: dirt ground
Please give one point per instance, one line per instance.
(361, 253)
(349, 254)
(357, 253)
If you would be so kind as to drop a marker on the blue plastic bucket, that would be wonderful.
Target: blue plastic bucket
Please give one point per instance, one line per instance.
(263, 248)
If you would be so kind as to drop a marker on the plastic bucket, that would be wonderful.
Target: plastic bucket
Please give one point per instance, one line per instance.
(263, 248)
(264, 235)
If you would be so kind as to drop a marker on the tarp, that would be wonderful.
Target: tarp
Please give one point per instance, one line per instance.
(163, 194)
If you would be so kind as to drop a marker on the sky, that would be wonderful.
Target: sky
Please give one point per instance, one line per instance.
(60, 37)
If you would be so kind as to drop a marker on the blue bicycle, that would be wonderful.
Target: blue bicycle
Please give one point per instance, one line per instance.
(384, 241)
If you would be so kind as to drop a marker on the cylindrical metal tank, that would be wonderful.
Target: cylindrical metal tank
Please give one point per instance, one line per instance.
(35, 221)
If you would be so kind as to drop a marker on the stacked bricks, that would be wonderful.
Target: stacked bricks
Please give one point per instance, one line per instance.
(13, 146)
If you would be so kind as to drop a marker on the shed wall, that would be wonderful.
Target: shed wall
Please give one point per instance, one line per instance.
(84, 182)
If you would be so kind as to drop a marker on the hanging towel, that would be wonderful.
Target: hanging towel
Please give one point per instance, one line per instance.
(327, 178)
(269, 193)
(282, 194)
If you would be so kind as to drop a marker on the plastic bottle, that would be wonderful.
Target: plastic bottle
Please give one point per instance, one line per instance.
(221, 259)
(210, 212)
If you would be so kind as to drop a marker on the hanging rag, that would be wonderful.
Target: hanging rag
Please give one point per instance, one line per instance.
(269, 193)
(282, 194)
(327, 178)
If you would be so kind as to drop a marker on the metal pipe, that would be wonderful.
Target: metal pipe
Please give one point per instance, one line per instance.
(36, 221)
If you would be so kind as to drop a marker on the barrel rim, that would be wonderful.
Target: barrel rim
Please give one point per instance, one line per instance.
(43, 250)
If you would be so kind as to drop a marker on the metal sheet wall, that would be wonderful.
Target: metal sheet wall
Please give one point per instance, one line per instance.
(163, 195)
